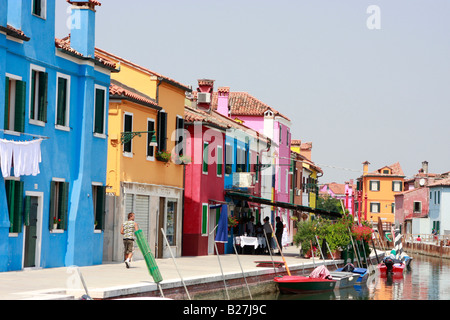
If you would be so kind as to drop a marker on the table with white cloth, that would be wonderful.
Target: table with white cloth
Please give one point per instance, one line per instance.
(253, 242)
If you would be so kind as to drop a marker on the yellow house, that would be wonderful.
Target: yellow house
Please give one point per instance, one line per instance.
(380, 188)
(310, 173)
(146, 122)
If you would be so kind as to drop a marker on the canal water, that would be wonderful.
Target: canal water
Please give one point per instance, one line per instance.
(428, 278)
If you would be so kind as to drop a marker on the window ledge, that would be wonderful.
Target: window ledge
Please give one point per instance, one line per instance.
(37, 123)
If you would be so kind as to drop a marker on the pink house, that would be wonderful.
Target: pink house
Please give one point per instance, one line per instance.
(343, 192)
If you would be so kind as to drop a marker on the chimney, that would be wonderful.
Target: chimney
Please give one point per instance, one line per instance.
(82, 29)
(204, 96)
(223, 94)
(11, 13)
(425, 167)
(366, 167)
(3, 13)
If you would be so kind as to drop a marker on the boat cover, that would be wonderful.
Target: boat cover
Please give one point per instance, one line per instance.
(321, 272)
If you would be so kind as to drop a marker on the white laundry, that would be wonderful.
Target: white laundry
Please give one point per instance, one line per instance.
(25, 155)
(6, 152)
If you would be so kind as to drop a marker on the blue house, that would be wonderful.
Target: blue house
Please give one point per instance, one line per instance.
(439, 206)
(53, 96)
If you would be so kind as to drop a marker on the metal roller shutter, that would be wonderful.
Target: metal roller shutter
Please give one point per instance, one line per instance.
(142, 213)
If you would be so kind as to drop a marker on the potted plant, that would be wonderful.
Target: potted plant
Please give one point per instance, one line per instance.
(181, 159)
(56, 221)
(337, 237)
(163, 156)
(305, 236)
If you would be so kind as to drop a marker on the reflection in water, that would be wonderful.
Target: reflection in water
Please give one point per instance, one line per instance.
(427, 279)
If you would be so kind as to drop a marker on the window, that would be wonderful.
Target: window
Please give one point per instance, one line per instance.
(100, 110)
(38, 96)
(162, 130)
(205, 157)
(204, 219)
(15, 95)
(374, 185)
(39, 8)
(14, 198)
(219, 160)
(171, 219)
(150, 149)
(375, 207)
(417, 207)
(98, 199)
(385, 171)
(59, 205)
(228, 159)
(179, 146)
(128, 127)
(397, 186)
(62, 100)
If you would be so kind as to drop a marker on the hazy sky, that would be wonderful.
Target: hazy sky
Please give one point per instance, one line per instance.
(360, 84)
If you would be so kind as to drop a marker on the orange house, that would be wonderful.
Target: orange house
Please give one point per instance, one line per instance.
(144, 176)
(377, 192)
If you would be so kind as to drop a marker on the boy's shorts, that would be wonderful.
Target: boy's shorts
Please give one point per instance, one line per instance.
(128, 244)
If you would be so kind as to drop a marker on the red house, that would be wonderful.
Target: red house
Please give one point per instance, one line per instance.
(204, 175)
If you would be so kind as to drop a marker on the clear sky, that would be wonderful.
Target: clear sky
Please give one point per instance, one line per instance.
(360, 84)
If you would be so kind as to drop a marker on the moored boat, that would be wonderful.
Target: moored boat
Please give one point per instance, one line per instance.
(362, 273)
(319, 280)
(299, 284)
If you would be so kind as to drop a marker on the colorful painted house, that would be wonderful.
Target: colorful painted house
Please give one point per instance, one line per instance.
(275, 170)
(376, 192)
(342, 191)
(439, 197)
(146, 140)
(57, 91)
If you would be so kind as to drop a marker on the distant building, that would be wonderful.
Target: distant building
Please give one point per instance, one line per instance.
(343, 192)
(376, 192)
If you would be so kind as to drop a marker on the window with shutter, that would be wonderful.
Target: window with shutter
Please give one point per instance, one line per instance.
(128, 127)
(38, 99)
(162, 131)
(15, 201)
(59, 205)
(99, 110)
(179, 147)
(150, 149)
(219, 160)
(228, 159)
(204, 219)
(99, 198)
(63, 100)
(15, 94)
(205, 158)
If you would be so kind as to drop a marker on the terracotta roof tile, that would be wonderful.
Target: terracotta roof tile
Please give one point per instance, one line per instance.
(244, 104)
(443, 182)
(120, 90)
(396, 170)
(64, 44)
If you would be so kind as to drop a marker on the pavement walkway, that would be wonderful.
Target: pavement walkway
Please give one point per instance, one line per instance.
(111, 280)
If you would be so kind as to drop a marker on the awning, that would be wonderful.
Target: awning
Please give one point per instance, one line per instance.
(290, 206)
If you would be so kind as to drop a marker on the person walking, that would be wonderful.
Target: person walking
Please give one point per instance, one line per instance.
(279, 233)
(127, 230)
(268, 230)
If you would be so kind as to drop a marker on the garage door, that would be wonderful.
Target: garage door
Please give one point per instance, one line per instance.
(140, 205)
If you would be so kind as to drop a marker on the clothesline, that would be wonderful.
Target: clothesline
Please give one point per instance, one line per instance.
(35, 136)
(24, 156)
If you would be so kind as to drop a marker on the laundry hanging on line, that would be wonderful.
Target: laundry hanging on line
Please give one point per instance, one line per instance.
(24, 156)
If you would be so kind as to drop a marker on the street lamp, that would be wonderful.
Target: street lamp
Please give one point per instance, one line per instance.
(128, 136)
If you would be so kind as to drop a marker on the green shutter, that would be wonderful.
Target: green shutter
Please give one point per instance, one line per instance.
(33, 94)
(205, 157)
(10, 191)
(43, 88)
(63, 204)
(26, 212)
(52, 204)
(162, 131)
(6, 126)
(18, 206)
(19, 120)
(219, 161)
(37, 7)
(62, 102)
(99, 112)
(205, 219)
(100, 211)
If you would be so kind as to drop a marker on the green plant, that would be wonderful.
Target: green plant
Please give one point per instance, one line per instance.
(163, 156)
(337, 235)
(306, 232)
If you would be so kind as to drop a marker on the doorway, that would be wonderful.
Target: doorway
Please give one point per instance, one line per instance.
(32, 230)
